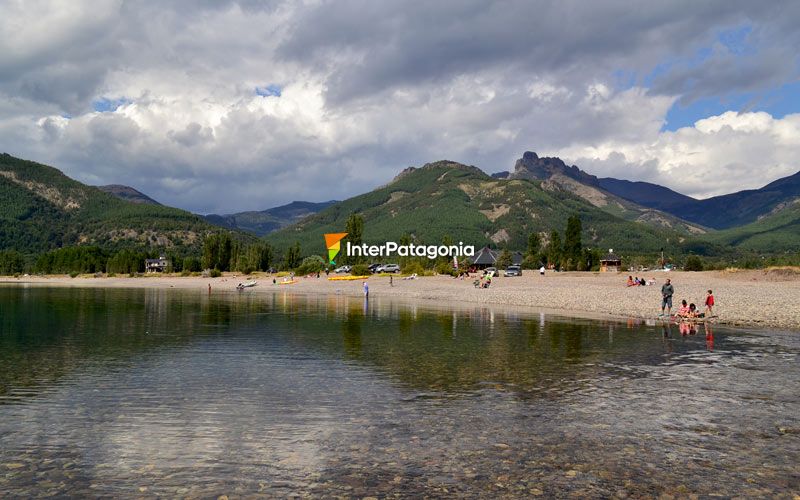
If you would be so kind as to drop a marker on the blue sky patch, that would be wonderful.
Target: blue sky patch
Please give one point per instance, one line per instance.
(271, 90)
(778, 102)
(106, 105)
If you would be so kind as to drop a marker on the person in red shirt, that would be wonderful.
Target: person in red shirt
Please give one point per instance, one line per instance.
(709, 304)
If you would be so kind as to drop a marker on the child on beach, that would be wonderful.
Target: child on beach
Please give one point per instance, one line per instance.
(694, 312)
(710, 304)
(683, 310)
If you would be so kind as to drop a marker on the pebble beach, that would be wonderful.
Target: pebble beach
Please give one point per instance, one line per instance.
(768, 299)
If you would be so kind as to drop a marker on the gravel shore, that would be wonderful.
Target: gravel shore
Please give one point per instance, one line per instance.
(766, 299)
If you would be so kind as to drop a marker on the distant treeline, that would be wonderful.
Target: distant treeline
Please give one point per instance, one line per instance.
(220, 252)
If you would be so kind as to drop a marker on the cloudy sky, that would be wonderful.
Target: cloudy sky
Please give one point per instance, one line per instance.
(220, 106)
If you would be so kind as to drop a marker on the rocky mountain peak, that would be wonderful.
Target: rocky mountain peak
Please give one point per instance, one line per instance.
(531, 166)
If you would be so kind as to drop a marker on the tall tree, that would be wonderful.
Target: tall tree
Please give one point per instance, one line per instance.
(572, 242)
(534, 245)
(505, 259)
(292, 260)
(554, 250)
(210, 259)
(355, 233)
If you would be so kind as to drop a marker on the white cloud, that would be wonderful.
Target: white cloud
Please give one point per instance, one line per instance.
(718, 155)
(367, 89)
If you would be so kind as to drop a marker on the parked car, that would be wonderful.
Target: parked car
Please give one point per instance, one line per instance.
(513, 271)
(490, 270)
(373, 268)
(342, 269)
(389, 268)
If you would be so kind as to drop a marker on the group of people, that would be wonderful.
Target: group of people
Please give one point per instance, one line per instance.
(686, 311)
(484, 281)
(640, 281)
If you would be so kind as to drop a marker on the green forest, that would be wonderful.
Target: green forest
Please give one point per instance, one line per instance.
(50, 223)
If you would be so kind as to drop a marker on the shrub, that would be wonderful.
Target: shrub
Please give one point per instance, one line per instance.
(446, 268)
(192, 264)
(186, 273)
(74, 274)
(215, 273)
(693, 263)
(360, 270)
(311, 265)
(414, 268)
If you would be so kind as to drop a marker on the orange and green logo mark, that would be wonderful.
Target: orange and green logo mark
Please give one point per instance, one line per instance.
(333, 242)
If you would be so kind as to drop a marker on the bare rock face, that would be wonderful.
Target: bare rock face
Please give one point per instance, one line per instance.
(531, 166)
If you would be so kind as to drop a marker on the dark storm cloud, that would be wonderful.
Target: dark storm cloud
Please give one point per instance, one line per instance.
(369, 47)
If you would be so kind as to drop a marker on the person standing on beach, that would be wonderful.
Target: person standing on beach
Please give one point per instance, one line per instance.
(366, 290)
(667, 290)
(710, 304)
(391, 280)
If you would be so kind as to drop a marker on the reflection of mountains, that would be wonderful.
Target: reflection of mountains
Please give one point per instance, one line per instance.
(48, 333)
(455, 350)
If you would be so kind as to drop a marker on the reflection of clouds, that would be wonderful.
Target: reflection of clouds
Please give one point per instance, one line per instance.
(215, 428)
(232, 408)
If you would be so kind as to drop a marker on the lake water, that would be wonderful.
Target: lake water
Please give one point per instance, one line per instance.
(174, 393)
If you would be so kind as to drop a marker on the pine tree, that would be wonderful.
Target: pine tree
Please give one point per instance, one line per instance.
(292, 259)
(572, 242)
(355, 233)
(554, 250)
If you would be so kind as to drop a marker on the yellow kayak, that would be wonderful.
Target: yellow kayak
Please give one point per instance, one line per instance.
(287, 282)
(347, 278)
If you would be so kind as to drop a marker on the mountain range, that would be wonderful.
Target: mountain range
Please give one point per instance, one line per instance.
(451, 199)
(264, 222)
(41, 209)
(720, 212)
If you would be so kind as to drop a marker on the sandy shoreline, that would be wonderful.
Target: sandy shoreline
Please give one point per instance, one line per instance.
(744, 298)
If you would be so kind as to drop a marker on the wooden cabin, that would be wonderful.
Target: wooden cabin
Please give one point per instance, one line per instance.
(611, 263)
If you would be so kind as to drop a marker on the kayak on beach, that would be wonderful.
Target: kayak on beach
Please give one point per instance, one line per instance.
(246, 284)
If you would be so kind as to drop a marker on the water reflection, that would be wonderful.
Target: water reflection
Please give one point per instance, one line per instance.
(167, 393)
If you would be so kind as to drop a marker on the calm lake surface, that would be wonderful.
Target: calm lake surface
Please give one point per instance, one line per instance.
(174, 393)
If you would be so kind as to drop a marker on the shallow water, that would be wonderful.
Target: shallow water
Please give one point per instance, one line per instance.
(174, 393)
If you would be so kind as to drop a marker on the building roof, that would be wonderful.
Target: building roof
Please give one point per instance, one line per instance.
(610, 257)
(485, 256)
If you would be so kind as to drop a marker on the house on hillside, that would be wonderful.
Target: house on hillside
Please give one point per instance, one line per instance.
(158, 265)
(611, 263)
(486, 257)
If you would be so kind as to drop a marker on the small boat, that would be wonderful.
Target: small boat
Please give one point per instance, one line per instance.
(246, 284)
(289, 282)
